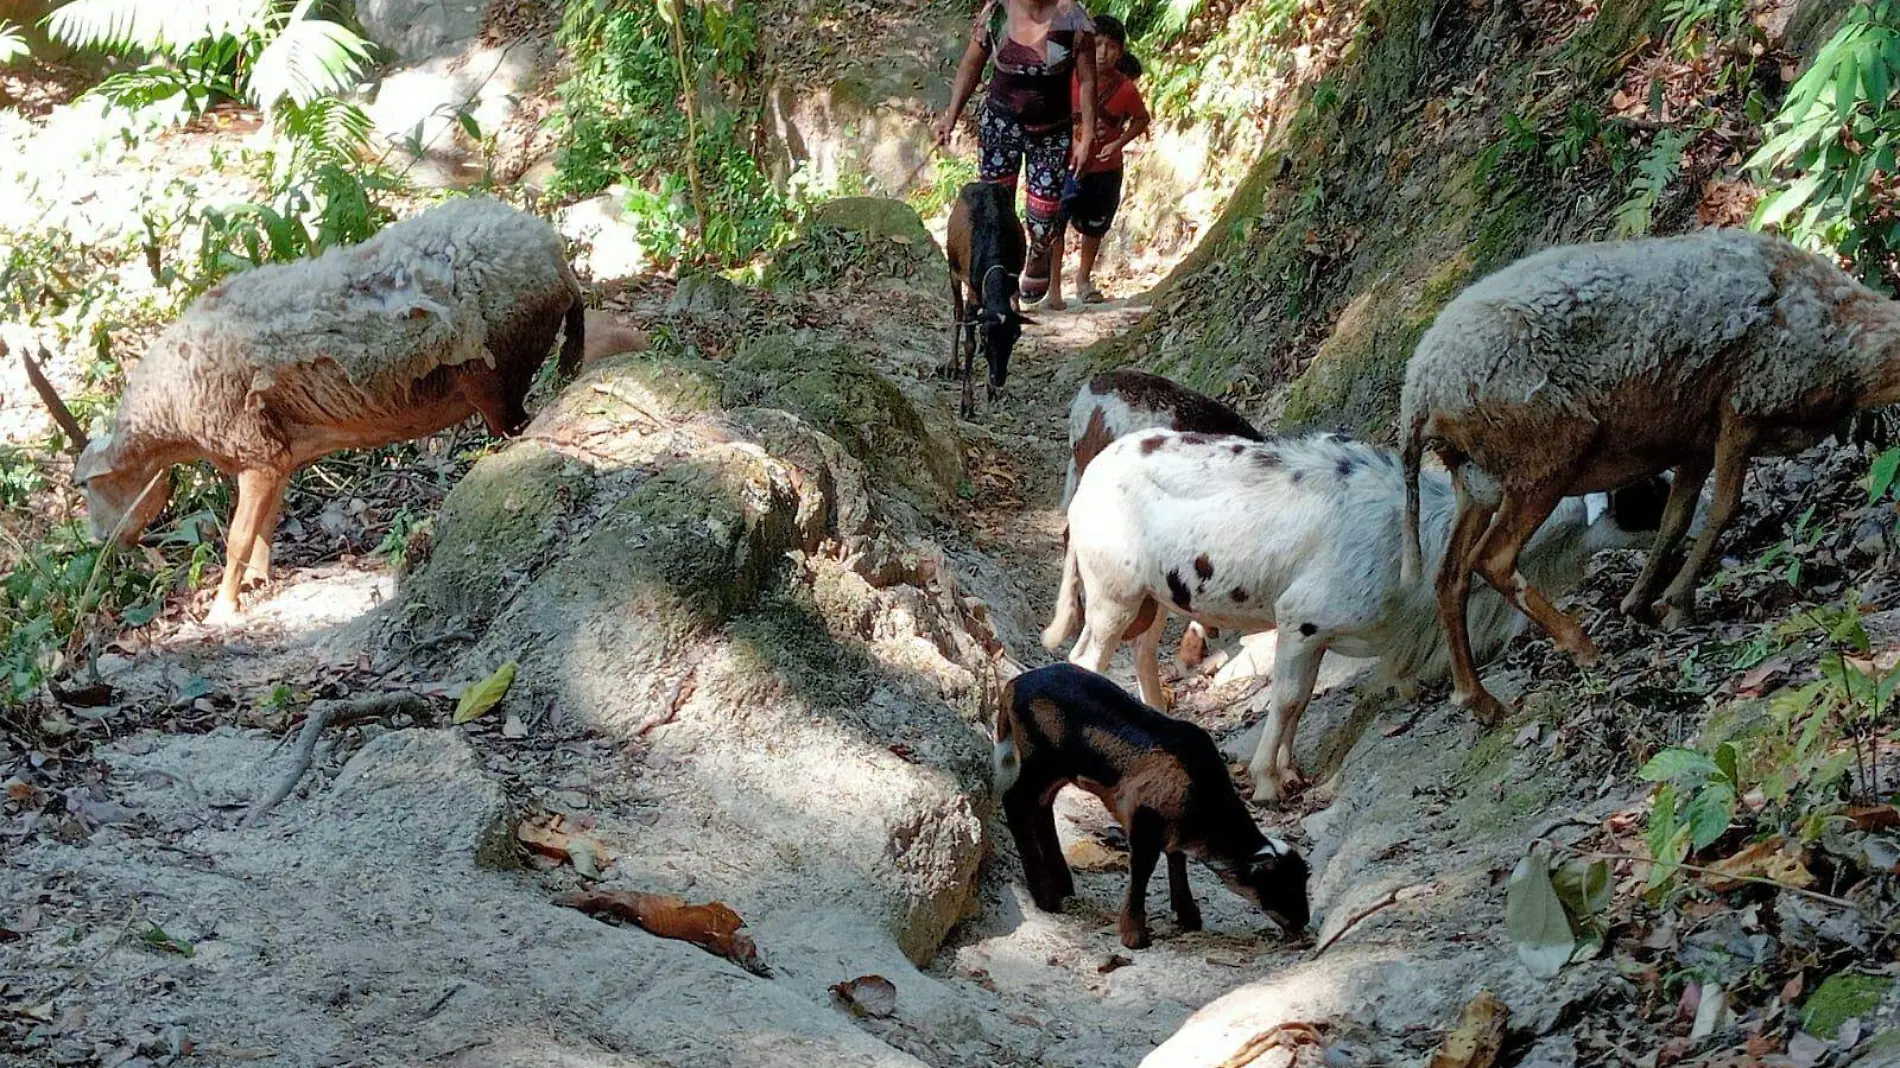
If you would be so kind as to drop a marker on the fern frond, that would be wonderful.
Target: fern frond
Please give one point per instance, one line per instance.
(12, 43)
(146, 26)
(309, 59)
(333, 130)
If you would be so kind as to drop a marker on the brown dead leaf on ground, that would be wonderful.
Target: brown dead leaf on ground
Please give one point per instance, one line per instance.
(1087, 854)
(1771, 859)
(554, 837)
(1479, 1036)
(867, 995)
(713, 926)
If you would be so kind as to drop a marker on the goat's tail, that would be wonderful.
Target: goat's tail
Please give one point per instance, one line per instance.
(1006, 761)
(1068, 601)
(574, 326)
(1412, 564)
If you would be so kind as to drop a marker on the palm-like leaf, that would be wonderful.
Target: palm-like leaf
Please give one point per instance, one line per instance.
(310, 58)
(334, 129)
(154, 25)
(12, 43)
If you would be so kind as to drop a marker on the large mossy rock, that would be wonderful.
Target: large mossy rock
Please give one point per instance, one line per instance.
(833, 389)
(708, 562)
(861, 241)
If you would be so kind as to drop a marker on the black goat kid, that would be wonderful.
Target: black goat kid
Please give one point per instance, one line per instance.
(986, 248)
(1161, 778)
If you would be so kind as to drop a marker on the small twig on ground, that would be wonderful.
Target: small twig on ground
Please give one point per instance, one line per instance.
(1280, 1036)
(1814, 895)
(332, 713)
(1392, 897)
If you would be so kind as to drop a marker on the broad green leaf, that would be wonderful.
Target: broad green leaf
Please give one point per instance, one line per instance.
(1676, 764)
(1584, 887)
(1789, 200)
(1880, 477)
(1726, 762)
(1709, 814)
(486, 694)
(469, 126)
(1535, 919)
(1846, 84)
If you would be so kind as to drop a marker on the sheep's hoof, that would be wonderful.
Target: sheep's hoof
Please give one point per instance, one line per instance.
(1266, 791)
(1676, 616)
(222, 614)
(1134, 936)
(1636, 606)
(1586, 654)
(1488, 710)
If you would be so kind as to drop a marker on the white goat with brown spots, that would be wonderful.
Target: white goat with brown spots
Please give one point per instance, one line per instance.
(1587, 367)
(438, 318)
(1301, 535)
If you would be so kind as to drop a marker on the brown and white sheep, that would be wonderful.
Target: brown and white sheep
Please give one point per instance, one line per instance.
(442, 316)
(1587, 367)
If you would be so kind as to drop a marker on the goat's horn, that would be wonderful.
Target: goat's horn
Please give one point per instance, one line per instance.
(61, 414)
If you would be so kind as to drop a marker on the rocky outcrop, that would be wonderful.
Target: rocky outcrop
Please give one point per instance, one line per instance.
(688, 557)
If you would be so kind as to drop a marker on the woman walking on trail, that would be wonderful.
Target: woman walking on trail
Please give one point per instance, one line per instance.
(1120, 117)
(1041, 50)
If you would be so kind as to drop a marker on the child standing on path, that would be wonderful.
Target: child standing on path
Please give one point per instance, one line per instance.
(1042, 50)
(1120, 117)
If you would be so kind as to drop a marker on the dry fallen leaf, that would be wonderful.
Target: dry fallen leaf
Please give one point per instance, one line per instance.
(1479, 1036)
(554, 838)
(1766, 859)
(713, 926)
(1087, 854)
(867, 995)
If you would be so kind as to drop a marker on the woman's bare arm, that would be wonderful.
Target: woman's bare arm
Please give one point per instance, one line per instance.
(969, 70)
(1085, 84)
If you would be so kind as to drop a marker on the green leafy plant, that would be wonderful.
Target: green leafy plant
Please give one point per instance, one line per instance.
(1655, 173)
(12, 42)
(265, 51)
(1693, 805)
(1831, 149)
(1557, 913)
(657, 100)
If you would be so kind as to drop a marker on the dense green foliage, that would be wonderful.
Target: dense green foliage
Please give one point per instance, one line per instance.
(625, 116)
(1830, 155)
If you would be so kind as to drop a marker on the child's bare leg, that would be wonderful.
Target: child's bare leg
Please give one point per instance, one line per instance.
(1085, 270)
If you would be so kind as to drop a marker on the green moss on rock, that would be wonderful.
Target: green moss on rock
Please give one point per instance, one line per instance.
(842, 396)
(1840, 999)
(496, 525)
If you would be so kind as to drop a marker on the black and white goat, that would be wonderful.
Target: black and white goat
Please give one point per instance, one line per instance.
(1302, 535)
(986, 248)
(1162, 779)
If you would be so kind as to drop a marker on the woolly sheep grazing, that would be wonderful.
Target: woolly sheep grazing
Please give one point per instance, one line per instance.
(442, 316)
(1115, 404)
(1587, 367)
(1301, 535)
(985, 245)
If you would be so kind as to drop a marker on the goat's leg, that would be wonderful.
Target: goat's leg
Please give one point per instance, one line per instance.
(500, 408)
(1296, 661)
(1024, 814)
(1180, 897)
(257, 491)
(1193, 647)
(1454, 591)
(1148, 664)
(956, 325)
(1145, 835)
(1104, 621)
(1677, 513)
(1732, 450)
(1058, 878)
